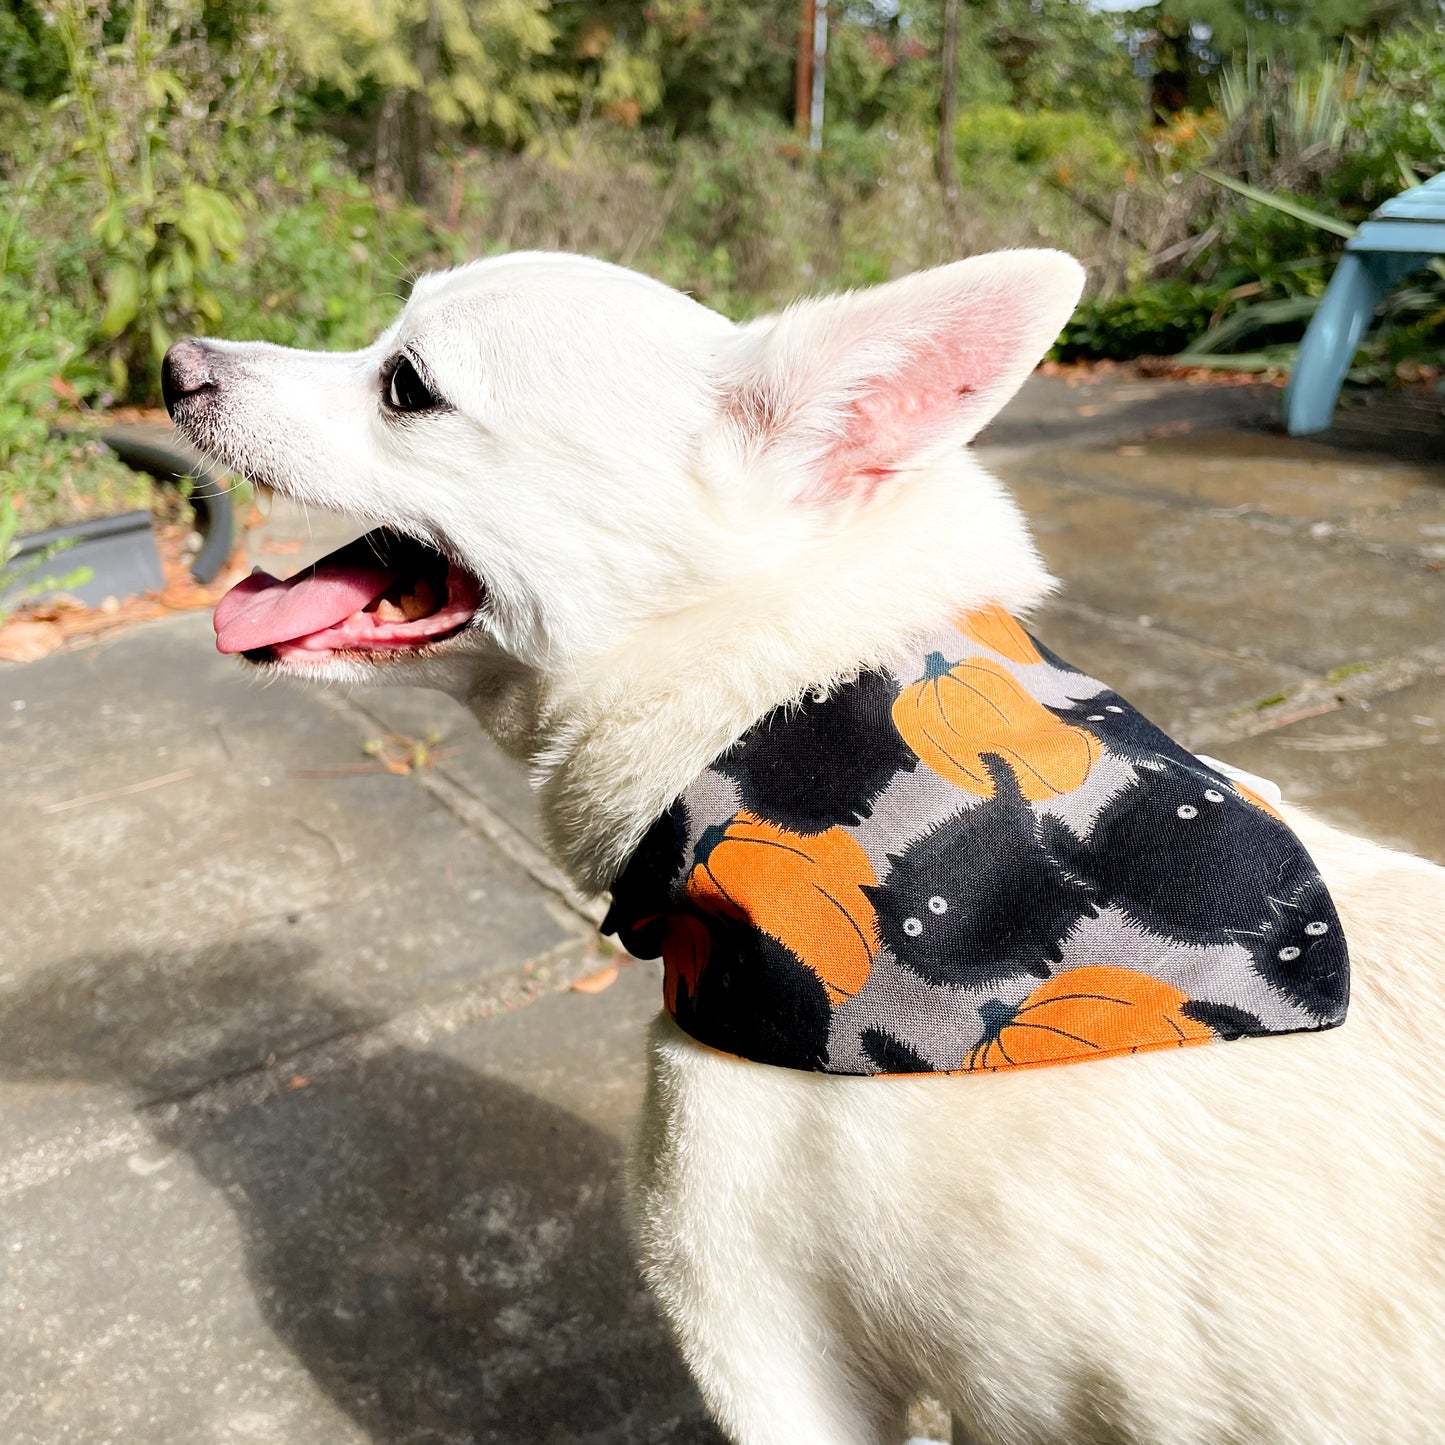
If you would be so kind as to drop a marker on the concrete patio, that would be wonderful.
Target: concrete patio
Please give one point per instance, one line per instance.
(303, 1134)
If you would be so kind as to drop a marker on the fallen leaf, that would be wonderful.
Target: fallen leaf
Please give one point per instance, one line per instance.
(24, 641)
(596, 982)
(53, 622)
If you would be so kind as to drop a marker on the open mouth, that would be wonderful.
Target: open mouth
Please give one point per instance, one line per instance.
(383, 593)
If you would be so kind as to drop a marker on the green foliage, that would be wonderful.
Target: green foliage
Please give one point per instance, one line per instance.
(136, 145)
(745, 212)
(509, 72)
(719, 58)
(22, 580)
(322, 268)
(1260, 324)
(1398, 129)
(1157, 318)
(1059, 55)
(1292, 161)
(1297, 31)
(747, 219)
(467, 62)
(32, 61)
(44, 479)
(235, 165)
(155, 201)
(49, 479)
(1030, 55)
(1343, 136)
(1296, 118)
(1074, 147)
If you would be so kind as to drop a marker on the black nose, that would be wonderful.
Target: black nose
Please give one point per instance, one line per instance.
(189, 368)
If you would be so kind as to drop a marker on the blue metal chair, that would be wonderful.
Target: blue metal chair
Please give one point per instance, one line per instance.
(1404, 235)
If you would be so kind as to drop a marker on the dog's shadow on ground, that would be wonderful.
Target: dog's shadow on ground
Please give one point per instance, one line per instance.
(445, 1253)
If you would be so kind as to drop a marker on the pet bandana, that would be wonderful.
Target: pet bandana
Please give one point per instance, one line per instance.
(977, 858)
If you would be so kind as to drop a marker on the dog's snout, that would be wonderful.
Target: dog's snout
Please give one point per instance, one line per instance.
(188, 369)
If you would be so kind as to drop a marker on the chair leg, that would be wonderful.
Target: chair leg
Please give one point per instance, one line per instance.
(1329, 346)
(1336, 330)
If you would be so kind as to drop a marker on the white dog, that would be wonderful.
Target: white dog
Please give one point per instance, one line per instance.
(623, 530)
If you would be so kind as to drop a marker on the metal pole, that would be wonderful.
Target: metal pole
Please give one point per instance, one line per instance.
(820, 55)
(947, 106)
(803, 91)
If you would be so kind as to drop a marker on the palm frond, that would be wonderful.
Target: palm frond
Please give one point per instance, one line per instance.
(1252, 318)
(1287, 204)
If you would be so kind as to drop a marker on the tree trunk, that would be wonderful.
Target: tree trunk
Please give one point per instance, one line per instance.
(947, 108)
(416, 131)
(386, 172)
(414, 146)
(1169, 83)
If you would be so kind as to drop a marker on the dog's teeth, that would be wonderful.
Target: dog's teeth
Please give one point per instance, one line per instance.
(421, 602)
(388, 611)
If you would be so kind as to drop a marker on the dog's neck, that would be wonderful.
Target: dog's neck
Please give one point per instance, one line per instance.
(612, 745)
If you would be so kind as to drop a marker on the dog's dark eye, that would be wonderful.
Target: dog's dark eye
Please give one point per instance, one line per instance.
(406, 391)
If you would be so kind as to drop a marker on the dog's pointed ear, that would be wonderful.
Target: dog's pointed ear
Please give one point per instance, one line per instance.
(836, 395)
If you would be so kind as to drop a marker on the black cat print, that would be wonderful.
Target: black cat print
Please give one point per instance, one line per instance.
(976, 859)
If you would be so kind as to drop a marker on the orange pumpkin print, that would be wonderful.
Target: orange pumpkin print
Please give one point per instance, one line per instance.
(1263, 804)
(993, 628)
(1082, 1014)
(955, 713)
(804, 889)
(686, 947)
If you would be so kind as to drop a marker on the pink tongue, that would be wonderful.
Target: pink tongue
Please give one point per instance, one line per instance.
(263, 610)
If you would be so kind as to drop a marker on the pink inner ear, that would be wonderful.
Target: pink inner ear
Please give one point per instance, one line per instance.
(932, 394)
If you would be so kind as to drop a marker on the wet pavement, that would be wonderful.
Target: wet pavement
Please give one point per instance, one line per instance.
(303, 1135)
(1276, 603)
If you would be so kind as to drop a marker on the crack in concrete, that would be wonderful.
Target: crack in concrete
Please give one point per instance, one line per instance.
(1128, 626)
(477, 814)
(1320, 695)
(1302, 694)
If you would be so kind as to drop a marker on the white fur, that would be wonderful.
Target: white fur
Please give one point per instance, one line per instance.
(1240, 1243)
(682, 524)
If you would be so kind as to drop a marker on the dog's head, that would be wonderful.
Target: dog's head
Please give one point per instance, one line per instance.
(557, 452)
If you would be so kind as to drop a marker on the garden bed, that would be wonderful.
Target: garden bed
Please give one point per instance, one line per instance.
(42, 627)
(92, 560)
(167, 546)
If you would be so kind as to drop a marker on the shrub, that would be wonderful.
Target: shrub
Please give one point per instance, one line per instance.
(1256, 215)
(316, 262)
(45, 479)
(142, 122)
(325, 257)
(1398, 123)
(1076, 147)
(1156, 318)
